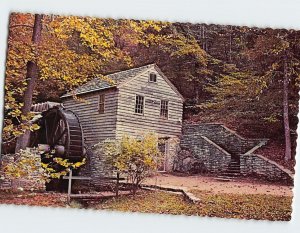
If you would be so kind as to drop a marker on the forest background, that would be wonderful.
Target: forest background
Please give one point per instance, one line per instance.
(246, 78)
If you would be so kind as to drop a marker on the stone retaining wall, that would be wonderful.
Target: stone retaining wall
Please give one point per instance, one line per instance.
(226, 138)
(211, 147)
(257, 165)
(200, 155)
(32, 182)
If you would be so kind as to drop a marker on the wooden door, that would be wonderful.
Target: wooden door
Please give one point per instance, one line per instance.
(163, 148)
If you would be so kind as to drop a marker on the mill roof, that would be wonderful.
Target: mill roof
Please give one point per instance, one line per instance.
(114, 80)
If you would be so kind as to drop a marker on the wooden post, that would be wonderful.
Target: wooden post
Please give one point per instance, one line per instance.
(70, 186)
(117, 187)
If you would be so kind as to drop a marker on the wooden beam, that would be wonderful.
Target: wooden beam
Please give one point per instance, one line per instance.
(69, 186)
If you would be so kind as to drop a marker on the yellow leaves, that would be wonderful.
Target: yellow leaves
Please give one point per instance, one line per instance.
(8, 128)
(236, 85)
(135, 156)
(34, 127)
(15, 113)
(71, 51)
(65, 163)
(272, 119)
(53, 173)
(151, 24)
(12, 130)
(17, 133)
(23, 165)
(91, 32)
(179, 46)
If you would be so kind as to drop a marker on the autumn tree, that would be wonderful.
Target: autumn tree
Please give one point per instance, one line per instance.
(135, 157)
(281, 63)
(31, 77)
(263, 89)
(70, 51)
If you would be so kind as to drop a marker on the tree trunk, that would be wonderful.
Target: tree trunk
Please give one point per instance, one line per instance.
(230, 44)
(288, 151)
(203, 38)
(32, 74)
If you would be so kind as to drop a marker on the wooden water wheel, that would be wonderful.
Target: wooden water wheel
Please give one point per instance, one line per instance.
(61, 133)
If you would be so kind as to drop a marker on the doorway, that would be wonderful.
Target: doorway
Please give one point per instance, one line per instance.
(163, 147)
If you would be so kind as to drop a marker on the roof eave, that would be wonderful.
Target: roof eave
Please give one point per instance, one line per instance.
(86, 92)
(169, 82)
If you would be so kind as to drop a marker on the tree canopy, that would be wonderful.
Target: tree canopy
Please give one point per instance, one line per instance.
(228, 74)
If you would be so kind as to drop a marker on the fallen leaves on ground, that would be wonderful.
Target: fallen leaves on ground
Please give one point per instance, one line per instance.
(34, 199)
(246, 206)
(250, 206)
(254, 206)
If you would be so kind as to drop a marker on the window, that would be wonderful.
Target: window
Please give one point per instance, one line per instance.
(164, 109)
(139, 104)
(152, 78)
(101, 103)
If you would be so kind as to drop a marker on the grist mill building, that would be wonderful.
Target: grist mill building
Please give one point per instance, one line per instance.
(130, 102)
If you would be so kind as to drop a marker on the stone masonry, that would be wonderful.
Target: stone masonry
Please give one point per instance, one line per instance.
(33, 181)
(211, 148)
(199, 154)
(259, 166)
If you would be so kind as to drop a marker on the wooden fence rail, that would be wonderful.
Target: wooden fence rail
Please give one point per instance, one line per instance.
(70, 177)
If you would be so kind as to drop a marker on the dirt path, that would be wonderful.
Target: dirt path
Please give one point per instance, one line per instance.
(210, 184)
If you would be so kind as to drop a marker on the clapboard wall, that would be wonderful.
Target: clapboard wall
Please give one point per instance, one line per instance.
(96, 126)
(129, 122)
(119, 117)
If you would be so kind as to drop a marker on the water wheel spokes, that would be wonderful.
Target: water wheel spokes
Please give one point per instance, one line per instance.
(61, 132)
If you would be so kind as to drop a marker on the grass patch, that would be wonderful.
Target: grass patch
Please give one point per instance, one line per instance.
(263, 207)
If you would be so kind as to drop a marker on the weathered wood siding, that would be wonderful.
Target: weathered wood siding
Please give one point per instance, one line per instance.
(128, 122)
(96, 127)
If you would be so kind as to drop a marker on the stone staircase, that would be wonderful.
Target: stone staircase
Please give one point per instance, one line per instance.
(231, 172)
(219, 150)
(217, 147)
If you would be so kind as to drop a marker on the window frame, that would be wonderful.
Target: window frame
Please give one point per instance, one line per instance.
(101, 102)
(136, 103)
(164, 116)
(151, 81)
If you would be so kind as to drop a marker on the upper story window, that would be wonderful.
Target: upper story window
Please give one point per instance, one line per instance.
(164, 109)
(152, 78)
(139, 104)
(101, 103)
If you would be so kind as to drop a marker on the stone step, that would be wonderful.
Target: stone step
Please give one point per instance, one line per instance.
(224, 179)
(231, 174)
(233, 170)
(233, 167)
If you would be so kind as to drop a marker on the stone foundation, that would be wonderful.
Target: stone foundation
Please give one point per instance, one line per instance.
(32, 182)
(200, 155)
